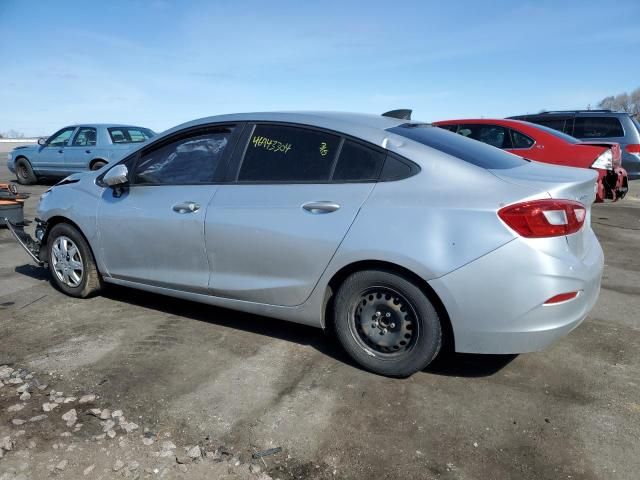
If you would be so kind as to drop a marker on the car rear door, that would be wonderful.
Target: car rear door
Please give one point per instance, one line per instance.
(152, 231)
(272, 230)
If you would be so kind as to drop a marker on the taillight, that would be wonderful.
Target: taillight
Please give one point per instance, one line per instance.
(604, 160)
(544, 218)
(633, 148)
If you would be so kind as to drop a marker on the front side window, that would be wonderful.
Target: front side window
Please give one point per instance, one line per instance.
(358, 163)
(60, 139)
(597, 127)
(520, 140)
(554, 123)
(493, 135)
(190, 160)
(85, 137)
(129, 134)
(278, 153)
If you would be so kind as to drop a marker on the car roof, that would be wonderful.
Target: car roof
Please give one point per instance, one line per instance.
(105, 125)
(568, 113)
(369, 127)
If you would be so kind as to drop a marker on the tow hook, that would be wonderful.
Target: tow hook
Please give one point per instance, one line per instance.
(29, 244)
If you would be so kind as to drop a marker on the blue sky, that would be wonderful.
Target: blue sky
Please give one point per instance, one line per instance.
(159, 63)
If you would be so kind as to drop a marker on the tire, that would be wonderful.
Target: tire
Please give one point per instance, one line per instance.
(76, 282)
(386, 323)
(24, 172)
(97, 165)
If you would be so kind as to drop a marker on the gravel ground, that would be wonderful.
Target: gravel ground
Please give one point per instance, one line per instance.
(233, 384)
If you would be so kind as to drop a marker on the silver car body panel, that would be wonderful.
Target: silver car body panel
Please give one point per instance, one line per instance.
(253, 248)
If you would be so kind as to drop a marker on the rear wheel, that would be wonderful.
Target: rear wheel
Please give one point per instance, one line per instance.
(24, 172)
(386, 323)
(98, 164)
(71, 263)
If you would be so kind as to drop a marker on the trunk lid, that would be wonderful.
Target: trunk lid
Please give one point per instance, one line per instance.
(559, 182)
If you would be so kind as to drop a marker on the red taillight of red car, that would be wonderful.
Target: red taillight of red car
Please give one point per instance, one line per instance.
(633, 148)
(544, 218)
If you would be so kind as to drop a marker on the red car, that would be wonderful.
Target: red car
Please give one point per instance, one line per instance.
(543, 144)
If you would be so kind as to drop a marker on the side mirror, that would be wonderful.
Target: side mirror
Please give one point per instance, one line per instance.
(117, 176)
(42, 141)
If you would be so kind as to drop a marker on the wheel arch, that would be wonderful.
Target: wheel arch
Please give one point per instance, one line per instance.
(340, 276)
(56, 220)
(95, 160)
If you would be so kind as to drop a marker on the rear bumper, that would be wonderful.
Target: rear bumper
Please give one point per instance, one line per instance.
(496, 303)
(612, 184)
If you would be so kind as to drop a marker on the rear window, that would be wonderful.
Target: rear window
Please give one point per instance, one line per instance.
(597, 127)
(557, 134)
(471, 151)
(129, 134)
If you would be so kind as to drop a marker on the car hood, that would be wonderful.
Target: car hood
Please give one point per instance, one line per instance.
(28, 148)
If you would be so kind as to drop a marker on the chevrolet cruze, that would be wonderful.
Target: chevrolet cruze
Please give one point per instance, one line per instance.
(396, 235)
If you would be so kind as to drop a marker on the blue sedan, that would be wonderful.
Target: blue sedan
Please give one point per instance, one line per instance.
(73, 149)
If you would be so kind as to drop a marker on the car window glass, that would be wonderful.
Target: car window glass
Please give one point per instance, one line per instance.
(129, 134)
(476, 153)
(357, 163)
(493, 135)
(554, 123)
(85, 137)
(597, 127)
(520, 140)
(278, 153)
(60, 139)
(189, 160)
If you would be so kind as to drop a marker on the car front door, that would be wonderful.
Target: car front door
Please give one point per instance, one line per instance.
(152, 231)
(272, 231)
(81, 149)
(50, 157)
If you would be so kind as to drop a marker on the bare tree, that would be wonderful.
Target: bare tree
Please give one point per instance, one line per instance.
(626, 102)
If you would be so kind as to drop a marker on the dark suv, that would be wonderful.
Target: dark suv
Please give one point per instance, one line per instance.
(597, 125)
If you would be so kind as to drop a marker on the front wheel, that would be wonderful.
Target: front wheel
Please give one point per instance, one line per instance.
(386, 323)
(71, 263)
(24, 172)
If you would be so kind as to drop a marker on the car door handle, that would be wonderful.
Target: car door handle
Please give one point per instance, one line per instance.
(320, 207)
(186, 207)
(87, 151)
(60, 151)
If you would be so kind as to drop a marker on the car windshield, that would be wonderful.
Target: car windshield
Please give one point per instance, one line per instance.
(130, 134)
(471, 151)
(558, 134)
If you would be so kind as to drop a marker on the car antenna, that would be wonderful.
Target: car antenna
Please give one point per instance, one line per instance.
(402, 114)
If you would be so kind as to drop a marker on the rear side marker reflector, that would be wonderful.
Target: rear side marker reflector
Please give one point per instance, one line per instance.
(544, 218)
(563, 297)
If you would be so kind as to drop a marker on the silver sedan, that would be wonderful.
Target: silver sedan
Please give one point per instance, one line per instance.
(398, 236)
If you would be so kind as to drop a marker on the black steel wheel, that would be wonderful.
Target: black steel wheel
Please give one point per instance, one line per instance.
(386, 323)
(24, 172)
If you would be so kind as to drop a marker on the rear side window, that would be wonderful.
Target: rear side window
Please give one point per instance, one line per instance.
(493, 135)
(520, 140)
(190, 160)
(129, 134)
(471, 151)
(358, 163)
(554, 123)
(85, 137)
(277, 153)
(597, 127)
